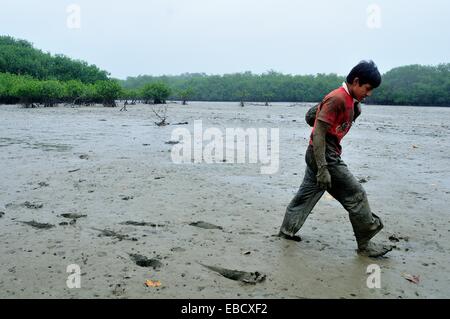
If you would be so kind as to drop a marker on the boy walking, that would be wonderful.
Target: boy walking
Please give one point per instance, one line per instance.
(326, 170)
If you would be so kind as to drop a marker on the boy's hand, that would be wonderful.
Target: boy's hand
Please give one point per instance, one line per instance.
(323, 178)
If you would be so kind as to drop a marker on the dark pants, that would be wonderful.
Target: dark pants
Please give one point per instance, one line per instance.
(344, 187)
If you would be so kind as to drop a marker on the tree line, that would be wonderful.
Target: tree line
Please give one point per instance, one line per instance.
(268, 87)
(406, 85)
(415, 85)
(32, 77)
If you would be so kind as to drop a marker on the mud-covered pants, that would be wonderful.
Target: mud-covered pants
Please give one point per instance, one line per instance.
(344, 187)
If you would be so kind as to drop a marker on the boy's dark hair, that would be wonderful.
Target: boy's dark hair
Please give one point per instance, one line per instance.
(366, 72)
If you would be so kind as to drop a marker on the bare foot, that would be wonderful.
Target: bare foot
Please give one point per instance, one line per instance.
(374, 250)
(294, 238)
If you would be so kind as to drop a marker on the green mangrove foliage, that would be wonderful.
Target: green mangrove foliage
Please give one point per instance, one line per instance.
(407, 85)
(32, 77)
(20, 57)
(32, 92)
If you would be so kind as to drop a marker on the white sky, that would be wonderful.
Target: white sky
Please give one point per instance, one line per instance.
(134, 37)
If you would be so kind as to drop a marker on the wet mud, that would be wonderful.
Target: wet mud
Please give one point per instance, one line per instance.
(97, 188)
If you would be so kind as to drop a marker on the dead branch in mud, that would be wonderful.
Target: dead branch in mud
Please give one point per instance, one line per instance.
(161, 114)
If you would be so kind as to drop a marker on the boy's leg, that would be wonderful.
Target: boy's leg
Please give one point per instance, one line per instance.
(350, 193)
(301, 205)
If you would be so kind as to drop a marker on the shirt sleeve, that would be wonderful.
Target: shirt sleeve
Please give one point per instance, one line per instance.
(330, 110)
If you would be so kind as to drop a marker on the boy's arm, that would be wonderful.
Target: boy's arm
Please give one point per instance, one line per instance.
(356, 110)
(326, 116)
(319, 145)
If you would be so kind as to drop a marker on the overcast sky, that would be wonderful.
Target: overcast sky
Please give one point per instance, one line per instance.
(133, 37)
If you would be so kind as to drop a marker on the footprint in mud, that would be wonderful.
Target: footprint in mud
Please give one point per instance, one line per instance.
(118, 290)
(134, 223)
(6, 141)
(42, 184)
(113, 234)
(72, 222)
(205, 225)
(363, 180)
(143, 261)
(237, 275)
(48, 147)
(72, 215)
(396, 238)
(123, 197)
(32, 205)
(35, 224)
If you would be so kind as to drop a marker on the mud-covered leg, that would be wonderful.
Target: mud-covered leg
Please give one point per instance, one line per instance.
(301, 205)
(350, 193)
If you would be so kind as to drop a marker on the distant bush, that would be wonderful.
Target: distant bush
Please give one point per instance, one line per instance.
(108, 92)
(51, 92)
(185, 95)
(157, 92)
(31, 92)
(75, 90)
(28, 91)
(131, 94)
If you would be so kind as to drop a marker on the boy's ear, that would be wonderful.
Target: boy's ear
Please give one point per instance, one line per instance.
(355, 81)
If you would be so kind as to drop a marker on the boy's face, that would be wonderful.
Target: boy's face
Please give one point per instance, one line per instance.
(360, 92)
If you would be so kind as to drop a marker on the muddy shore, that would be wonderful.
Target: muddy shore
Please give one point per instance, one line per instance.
(96, 187)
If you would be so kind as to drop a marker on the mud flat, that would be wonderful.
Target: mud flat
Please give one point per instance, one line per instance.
(105, 182)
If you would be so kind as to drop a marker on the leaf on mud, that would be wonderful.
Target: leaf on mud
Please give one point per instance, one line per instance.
(412, 278)
(152, 283)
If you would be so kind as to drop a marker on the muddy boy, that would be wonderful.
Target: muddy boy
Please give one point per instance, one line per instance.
(326, 171)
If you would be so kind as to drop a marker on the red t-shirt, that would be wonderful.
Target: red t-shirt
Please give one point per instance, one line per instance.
(336, 109)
